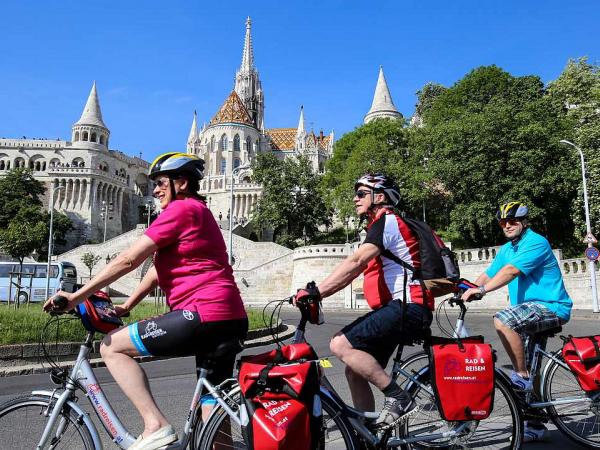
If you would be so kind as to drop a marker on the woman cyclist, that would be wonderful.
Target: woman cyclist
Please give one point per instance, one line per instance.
(191, 267)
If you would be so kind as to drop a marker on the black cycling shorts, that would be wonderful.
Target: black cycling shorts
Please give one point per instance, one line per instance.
(379, 332)
(182, 333)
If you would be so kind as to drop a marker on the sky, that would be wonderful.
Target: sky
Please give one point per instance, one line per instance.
(156, 61)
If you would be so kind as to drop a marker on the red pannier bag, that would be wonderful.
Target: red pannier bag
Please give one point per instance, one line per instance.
(98, 313)
(281, 408)
(462, 375)
(582, 355)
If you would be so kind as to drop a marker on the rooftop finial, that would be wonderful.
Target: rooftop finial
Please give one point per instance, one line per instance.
(248, 55)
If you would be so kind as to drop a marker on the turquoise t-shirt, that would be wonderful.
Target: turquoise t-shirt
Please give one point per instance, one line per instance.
(540, 279)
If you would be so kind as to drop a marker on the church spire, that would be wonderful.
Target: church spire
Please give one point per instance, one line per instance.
(301, 129)
(92, 115)
(383, 105)
(193, 136)
(247, 83)
(248, 55)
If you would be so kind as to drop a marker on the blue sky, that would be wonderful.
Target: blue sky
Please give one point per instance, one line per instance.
(156, 61)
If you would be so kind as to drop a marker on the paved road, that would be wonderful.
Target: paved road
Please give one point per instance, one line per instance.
(172, 381)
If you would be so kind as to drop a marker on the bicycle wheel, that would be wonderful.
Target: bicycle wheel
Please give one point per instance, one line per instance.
(221, 433)
(22, 422)
(503, 429)
(413, 365)
(580, 421)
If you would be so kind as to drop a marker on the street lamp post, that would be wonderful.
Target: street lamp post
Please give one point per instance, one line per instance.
(51, 238)
(105, 211)
(588, 225)
(149, 210)
(230, 249)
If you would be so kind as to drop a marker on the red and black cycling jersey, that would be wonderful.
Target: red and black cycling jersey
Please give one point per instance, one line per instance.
(384, 278)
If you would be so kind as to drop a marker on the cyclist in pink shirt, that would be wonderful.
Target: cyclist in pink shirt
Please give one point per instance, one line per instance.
(191, 267)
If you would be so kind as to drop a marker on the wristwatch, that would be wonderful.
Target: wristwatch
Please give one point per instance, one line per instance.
(482, 290)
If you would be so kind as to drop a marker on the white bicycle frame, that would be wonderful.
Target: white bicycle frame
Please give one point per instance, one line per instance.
(82, 375)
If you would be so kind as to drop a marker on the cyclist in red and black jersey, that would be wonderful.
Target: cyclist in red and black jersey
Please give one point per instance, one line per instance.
(367, 344)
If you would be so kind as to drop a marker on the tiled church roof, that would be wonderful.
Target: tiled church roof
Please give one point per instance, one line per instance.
(282, 138)
(233, 110)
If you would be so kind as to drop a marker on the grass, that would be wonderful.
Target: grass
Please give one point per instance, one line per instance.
(25, 325)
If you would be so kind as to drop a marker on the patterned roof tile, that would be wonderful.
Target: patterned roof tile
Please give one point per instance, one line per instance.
(233, 110)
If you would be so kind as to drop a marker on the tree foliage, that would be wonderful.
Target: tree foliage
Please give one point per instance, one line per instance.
(577, 93)
(24, 225)
(90, 259)
(290, 204)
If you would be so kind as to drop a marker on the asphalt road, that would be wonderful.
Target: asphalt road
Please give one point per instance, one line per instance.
(172, 381)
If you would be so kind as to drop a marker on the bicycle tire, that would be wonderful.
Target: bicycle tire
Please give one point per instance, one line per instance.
(22, 423)
(559, 381)
(413, 365)
(333, 421)
(505, 418)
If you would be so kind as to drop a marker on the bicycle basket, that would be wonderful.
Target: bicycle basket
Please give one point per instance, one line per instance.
(98, 313)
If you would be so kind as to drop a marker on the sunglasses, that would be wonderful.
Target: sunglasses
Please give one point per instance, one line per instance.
(508, 222)
(362, 194)
(162, 183)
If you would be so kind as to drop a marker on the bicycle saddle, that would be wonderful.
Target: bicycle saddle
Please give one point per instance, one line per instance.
(233, 346)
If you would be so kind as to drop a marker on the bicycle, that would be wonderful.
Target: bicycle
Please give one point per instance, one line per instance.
(557, 396)
(54, 419)
(347, 427)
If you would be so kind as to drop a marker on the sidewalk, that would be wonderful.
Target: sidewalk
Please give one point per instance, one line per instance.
(257, 339)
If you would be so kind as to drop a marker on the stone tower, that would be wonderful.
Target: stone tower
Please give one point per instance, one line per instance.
(90, 130)
(247, 83)
(383, 105)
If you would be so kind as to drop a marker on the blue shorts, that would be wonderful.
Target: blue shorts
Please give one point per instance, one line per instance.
(529, 318)
(379, 332)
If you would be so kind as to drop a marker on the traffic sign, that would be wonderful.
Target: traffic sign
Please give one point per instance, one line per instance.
(590, 239)
(592, 253)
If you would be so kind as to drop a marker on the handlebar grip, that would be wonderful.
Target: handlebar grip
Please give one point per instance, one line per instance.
(60, 302)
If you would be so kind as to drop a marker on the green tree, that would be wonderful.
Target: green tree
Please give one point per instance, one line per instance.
(90, 260)
(425, 98)
(18, 189)
(291, 204)
(379, 146)
(577, 93)
(492, 138)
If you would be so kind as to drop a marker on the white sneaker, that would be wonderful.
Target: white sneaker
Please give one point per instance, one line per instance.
(534, 432)
(166, 435)
(523, 384)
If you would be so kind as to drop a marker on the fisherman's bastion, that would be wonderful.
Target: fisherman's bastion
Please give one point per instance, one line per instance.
(94, 178)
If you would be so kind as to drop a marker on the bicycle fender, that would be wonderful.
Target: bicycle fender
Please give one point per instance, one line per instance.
(87, 420)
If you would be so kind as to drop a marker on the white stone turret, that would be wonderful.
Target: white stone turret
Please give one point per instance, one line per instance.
(383, 105)
(90, 129)
(247, 83)
(193, 142)
(301, 132)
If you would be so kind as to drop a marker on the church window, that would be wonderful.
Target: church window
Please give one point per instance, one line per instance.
(102, 139)
(85, 136)
(224, 143)
(212, 144)
(236, 143)
(93, 138)
(76, 136)
(248, 144)
(223, 166)
(236, 163)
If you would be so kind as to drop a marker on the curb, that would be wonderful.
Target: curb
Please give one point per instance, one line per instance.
(257, 338)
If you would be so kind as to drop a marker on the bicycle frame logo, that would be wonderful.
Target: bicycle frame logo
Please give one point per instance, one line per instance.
(93, 391)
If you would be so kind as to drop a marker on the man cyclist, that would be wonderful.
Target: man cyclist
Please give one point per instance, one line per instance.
(366, 345)
(539, 300)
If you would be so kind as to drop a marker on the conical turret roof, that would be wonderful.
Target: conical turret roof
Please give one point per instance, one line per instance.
(92, 114)
(383, 105)
(193, 136)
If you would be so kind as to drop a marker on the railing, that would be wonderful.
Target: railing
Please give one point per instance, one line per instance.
(85, 171)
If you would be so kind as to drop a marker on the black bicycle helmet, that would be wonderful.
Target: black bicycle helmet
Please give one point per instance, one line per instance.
(512, 210)
(175, 163)
(380, 183)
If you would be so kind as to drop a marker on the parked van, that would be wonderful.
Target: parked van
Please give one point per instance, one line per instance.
(63, 275)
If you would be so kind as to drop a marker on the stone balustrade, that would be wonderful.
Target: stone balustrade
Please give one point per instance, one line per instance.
(62, 171)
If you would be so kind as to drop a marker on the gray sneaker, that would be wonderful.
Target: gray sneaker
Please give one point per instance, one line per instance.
(394, 411)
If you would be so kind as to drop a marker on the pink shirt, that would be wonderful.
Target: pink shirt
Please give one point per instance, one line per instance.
(192, 264)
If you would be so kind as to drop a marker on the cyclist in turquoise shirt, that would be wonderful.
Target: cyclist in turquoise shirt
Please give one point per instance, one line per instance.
(538, 298)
